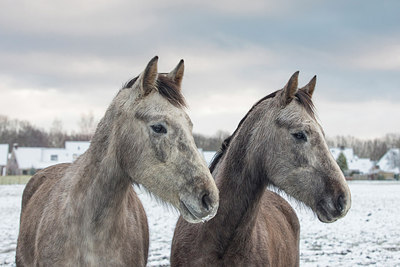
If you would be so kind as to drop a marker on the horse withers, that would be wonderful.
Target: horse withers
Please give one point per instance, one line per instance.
(279, 142)
(86, 213)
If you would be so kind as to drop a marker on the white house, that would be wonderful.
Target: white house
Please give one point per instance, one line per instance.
(3, 158)
(208, 156)
(76, 148)
(26, 160)
(390, 162)
(347, 152)
(361, 165)
(354, 163)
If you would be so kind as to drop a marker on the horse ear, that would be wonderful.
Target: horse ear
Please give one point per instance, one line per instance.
(290, 89)
(148, 77)
(177, 74)
(309, 88)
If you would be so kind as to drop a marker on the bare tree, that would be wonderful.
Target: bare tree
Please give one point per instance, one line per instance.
(372, 149)
(87, 125)
(29, 135)
(212, 143)
(57, 135)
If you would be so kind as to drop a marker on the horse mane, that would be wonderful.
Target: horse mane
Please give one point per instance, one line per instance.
(302, 97)
(167, 88)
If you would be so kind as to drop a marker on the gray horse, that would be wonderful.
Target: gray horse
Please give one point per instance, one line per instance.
(279, 142)
(87, 213)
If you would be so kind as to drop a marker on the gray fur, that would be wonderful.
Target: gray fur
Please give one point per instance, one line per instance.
(87, 213)
(254, 226)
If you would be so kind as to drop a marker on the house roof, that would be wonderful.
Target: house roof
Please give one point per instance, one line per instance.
(362, 165)
(208, 156)
(40, 157)
(77, 146)
(347, 152)
(354, 163)
(3, 154)
(390, 162)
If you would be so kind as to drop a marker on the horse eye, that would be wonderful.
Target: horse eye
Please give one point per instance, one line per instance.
(158, 128)
(300, 136)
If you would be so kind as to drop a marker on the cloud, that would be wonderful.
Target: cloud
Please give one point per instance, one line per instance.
(41, 106)
(384, 57)
(79, 18)
(63, 58)
(236, 8)
(361, 119)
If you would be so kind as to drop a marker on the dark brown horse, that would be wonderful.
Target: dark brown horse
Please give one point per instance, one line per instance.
(279, 142)
(87, 213)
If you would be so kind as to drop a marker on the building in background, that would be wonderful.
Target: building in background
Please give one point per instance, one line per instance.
(3, 159)
(355, 164)
(28, 160)
(207, 156)
(389, 165)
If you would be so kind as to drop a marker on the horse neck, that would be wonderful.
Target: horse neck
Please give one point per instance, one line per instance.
(99, 186)
(241, 182)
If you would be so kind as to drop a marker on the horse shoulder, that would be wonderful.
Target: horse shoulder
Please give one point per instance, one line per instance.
(278, 229)
(138, 235)
(127, 244)
(34, 201)
(184, 244)
(48, 176)
(272, 199)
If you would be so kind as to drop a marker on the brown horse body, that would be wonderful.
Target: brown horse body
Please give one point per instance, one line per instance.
(77, 238)
(279, 143)
(267, 234)
(87, 213)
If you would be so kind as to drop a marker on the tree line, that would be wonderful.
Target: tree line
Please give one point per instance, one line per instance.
(25, 134)
(373, 149)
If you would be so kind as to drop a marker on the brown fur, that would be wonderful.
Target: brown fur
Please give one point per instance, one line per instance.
(254, 226)
(132, 231)
(87, 213)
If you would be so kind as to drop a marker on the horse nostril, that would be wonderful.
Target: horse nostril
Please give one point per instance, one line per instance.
(340, 204)
(206, 201)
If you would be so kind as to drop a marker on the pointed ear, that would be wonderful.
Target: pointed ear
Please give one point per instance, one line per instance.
(177, 74)
(309, 88)
(148, 78)
(290, 89)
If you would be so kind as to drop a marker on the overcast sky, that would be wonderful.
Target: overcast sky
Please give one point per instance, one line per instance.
(61, 59)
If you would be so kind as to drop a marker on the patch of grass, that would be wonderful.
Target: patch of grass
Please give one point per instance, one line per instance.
(14, 179)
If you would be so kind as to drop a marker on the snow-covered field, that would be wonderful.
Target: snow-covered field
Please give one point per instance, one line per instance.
(368, 235)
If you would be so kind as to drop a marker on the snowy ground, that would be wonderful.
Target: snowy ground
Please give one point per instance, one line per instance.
(368, 235)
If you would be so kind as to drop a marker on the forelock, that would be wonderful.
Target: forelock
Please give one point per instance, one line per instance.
(166, 88)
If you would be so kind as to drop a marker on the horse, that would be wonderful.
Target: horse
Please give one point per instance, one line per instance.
(279, 143)
(86, 213)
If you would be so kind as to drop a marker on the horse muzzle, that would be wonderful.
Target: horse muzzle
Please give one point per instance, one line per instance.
(329, 210)
(199, 209)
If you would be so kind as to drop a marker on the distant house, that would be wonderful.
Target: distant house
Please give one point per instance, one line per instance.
(209, 156)
(76, 148)
(354, 163)
(28, 160)
(390, 162)
(360, 165)
(347, 152)
(3, 158)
